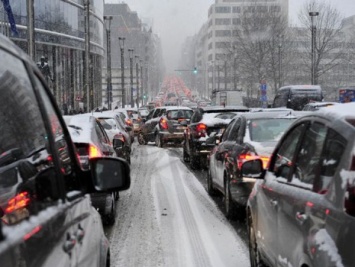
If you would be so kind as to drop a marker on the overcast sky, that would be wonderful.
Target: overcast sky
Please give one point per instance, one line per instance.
(174, 20)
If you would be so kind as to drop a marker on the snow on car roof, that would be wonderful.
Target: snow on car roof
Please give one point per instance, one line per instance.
(80, 127)
(341, 110)
(210, 119)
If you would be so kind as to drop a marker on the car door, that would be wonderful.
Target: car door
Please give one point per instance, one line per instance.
(267, 201)
(33, 164)
(103, 140)
(83, 240)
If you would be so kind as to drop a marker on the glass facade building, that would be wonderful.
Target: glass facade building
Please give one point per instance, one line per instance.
(60, 38)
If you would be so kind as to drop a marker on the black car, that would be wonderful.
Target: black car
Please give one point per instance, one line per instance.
(301, 211)
(206, 122)
(45, 210)
(249, 135)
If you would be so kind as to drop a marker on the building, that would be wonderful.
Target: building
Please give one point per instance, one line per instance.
(146, 56)
(60, 38)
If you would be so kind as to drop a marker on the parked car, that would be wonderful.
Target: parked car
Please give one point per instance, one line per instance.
(148, 129)
(206, 121)
(312, 106)
(127, 119)
(249, 135)
(91, 141)
(301, 211)
(172, 125)
(117, 133)
(46, 213)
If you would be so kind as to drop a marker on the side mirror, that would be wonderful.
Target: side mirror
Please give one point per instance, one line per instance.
(128, 128)
(117, 143)
(110, 174)
(253, 169)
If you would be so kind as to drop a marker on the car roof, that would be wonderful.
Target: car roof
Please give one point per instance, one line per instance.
(209, 109)
(341, 111)
(273, 114)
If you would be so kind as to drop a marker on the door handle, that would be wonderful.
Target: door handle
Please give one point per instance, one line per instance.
(79, 234)
(301, 217)
(69, 244)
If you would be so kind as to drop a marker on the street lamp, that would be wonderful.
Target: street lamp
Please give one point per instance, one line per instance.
(137, 79)
(130, 51)
(108, 20)
(313, 34)
(280, 61)
(121, 43)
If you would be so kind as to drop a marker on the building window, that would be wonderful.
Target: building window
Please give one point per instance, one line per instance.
(275, 9)
(236, 9)
(223, 9)
(223, 33)
(223, 22)
(236, 21)
(223, 44)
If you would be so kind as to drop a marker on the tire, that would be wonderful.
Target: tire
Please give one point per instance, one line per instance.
(159, 140)
(210, 190)
(110, 218)
(195, 162)
(185, 156)
(229, 206)
(141, 139)
(117, 195)
(254, 254)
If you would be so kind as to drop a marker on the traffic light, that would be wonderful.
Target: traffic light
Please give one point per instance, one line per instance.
(144, 96)
(195, 70)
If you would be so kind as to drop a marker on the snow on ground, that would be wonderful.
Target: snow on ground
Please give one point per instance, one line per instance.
(166, 218)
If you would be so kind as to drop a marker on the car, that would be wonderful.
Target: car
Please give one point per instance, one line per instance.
(301, 210)
(127, 119)
(204, 122)
(172, 125)
(91, 141)
(46, 213)
(136, 118)
(148, 129)
(117, 133)
(312, 106)
(249, 135)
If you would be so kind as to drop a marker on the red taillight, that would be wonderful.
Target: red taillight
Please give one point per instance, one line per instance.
(129, 122)
(119, 137)
(94, 152)
(19, 201)
(163, 123)
(201, 130)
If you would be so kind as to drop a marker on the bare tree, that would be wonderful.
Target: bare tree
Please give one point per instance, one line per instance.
(329, 49)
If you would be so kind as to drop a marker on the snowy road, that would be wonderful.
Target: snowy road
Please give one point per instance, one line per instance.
(166, 218)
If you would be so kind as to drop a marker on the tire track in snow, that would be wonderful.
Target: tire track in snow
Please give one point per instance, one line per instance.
(200, 255)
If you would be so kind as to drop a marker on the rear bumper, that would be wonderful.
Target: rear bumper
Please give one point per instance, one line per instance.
(175, 136)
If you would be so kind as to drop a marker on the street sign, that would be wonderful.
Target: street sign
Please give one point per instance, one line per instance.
(263, 87)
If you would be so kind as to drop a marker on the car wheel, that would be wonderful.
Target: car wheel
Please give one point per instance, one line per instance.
(210, 190)
(185, 156)
(117, 195)
(229, 206)
(110, 218)
(195, 162)
(158, 140)
(254, 254)
(141, 139)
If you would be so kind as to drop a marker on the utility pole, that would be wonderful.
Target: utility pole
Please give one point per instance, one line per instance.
(121, 41)
(142, 82)
(87, 53)
(108, 20)
(313, 34)
(31, 30)
(280, 63)
(137, 79)
(130, 51)
(225, 72)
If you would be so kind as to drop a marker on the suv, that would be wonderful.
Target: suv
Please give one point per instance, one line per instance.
(206, 122)
(45, 208)
(301, 211)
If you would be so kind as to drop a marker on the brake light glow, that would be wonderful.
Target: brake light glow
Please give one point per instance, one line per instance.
(19, 201)
(119, 137)
(129, 122)
(163, 124)
(201, 130)
(94, 152)
(245, 157)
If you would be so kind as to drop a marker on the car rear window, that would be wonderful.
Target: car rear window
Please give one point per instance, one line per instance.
(262, 130)
(179, 114)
